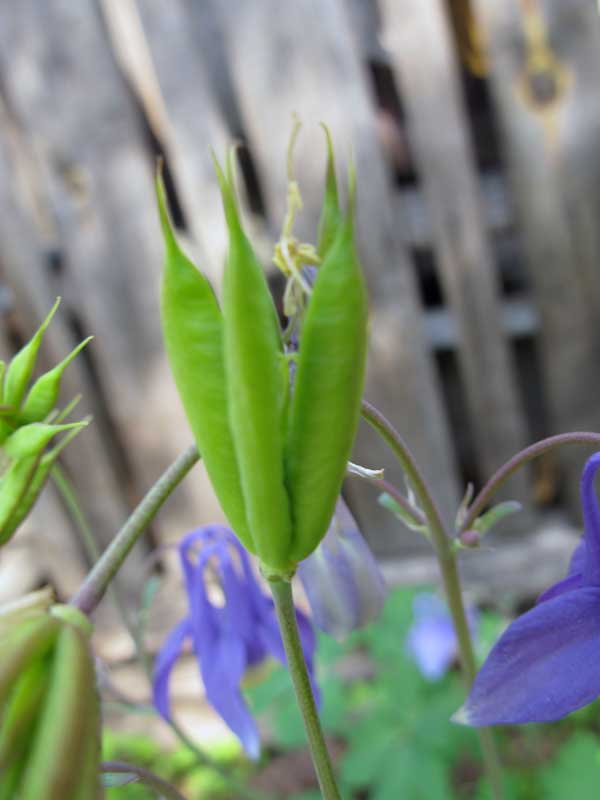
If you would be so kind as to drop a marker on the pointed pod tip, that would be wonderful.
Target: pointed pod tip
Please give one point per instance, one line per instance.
(226, 185)
(163, 211)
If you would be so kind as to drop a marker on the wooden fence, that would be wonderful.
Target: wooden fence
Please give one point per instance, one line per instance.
(479, 202)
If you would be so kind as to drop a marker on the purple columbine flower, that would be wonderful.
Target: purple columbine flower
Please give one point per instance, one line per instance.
(227, 639)
(431, 640)
(545, 664)
(341, 579)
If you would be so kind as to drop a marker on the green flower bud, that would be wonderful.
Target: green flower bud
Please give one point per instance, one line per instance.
(49, 715)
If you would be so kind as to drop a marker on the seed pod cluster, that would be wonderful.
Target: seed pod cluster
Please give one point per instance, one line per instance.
(276, 461)
(29, 422)
(49, 712)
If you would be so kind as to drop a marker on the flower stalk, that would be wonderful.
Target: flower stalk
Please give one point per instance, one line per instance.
(519, 460)
(145, 776)
(442, 544)
(92, 590)
(286, 615)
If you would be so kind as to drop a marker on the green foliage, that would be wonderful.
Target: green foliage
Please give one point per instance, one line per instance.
(178, 766)
(575, 770)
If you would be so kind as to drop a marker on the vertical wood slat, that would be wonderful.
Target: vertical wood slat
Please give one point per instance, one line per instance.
(426, 66)
(303, 61)
(63, 81)
(550, 117)
(160, 54)
(23, 249)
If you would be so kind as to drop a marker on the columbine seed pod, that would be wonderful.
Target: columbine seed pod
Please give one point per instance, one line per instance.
(193, 332)
(49, 719)
(43, 395)
(21, 367)
(276, 461)
(257, 389)
(325, 405)
(29, 468)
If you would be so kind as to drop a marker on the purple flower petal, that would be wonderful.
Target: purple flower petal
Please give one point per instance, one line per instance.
(544, 666)
(343, 584)
(165, 661)
(431, 640)
(222, 673)
(227, 638)
(591, 520)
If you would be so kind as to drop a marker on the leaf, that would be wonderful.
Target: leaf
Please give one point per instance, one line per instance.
(575, 770)
(413, 775)
(491, 517)
(388, 502)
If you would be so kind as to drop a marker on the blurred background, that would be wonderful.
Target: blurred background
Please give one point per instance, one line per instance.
(475, 127)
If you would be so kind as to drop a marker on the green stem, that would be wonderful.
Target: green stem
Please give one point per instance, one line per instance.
(69, 496)
(516, 462)
(145, 776)
(286, 616)
(447, 562)
(92, 590)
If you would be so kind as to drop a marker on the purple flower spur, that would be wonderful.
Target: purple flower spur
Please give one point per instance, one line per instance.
(227, 639)
(545, 665)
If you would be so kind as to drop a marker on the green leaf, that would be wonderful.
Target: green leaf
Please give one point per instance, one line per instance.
(491, 517)
(388, 502)
(575, 771)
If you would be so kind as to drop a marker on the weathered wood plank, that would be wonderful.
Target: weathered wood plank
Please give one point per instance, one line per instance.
(159, 51)
(63, 82)
(26, 238)
(303, 61)
(544, 65)
(418, 39)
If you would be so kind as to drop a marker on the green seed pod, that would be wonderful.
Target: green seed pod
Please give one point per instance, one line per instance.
(253, 364)
(21, 367)
(30, 440)
(332, 216)
(43, 395)
(67, 724)
(325, 405)
(23, 481)
(193, 333)
(20, 712)
(23, 643)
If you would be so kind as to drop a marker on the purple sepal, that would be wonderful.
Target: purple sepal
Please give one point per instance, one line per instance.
(545, 665)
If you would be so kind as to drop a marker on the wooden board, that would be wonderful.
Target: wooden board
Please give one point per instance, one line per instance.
(544, 65)
(63, 83)
(426, 67)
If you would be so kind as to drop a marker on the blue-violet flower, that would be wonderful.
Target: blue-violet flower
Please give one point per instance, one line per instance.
(227, 639)
(431, 640)
(545, 664)
(343, 584)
